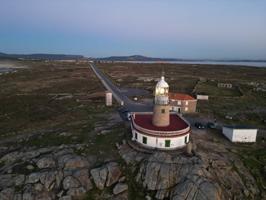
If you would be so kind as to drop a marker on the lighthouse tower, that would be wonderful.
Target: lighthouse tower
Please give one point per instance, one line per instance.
(161, 116)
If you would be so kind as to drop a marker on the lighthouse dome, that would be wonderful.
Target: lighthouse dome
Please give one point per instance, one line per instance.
(162, 83)
(161, 88)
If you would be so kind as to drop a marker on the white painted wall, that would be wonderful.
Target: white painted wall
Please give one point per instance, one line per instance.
(108, 99)
(158, 142)
(240, 135)
(202, 97)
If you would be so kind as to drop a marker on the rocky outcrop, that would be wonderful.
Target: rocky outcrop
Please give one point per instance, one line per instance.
(177, 176)
(46, 162)
(196, 188)
(53, 175)
(106, 175)
(161, 172)
(119, 188)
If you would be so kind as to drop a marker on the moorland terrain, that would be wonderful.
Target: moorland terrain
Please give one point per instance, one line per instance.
(58, 140)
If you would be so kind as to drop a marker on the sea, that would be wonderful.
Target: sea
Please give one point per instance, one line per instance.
(224, 63)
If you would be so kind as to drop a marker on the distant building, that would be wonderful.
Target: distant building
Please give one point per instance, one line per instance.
(182, 103)
(108, 98)
(202, 97)
(240, 133)
(224, 85)
(160, 128)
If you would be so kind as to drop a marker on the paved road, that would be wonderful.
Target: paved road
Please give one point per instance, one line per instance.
(132, 106)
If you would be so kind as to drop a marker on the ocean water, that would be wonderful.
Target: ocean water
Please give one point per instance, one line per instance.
(225, 63)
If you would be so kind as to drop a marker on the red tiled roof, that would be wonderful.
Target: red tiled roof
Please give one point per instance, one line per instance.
(145, 121)
(180, 96)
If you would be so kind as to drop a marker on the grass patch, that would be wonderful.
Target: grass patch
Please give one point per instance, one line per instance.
(255, 161)
(210, 88)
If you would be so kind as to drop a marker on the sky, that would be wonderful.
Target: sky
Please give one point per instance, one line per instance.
(214, 29)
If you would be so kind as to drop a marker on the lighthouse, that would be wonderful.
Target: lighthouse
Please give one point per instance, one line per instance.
(160, 129)
(161, 115)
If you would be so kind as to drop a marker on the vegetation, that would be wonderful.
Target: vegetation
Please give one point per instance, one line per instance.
(242, 102)
(255, 160)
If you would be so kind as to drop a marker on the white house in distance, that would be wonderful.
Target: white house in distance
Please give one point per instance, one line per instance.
(240, 133)
(160, 128)
(108, 98)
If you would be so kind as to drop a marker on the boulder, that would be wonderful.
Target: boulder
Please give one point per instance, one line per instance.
(48, 179)
(114, 173)
(119, 188)
(76, 192)
(19, 179)
(83, 176)
(46, 162)
(33, 177)
(99, 176)
(58, 178)
(162, 171)
(70, 182)
(196, 188)
(106, 175)
(75, 163)
(7, 194)
(38, 187)
(62, 159)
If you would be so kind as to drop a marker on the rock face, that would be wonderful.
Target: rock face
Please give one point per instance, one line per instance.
(106, 175)
(178, 177)
(46, 162)
(57, 172)
(119, 188)
(196, 188)
(186, 175)
(161, 171)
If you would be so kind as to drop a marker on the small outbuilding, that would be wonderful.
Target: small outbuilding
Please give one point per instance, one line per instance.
(240, 133)
(108, 98)
(182, 103)
(202, 97)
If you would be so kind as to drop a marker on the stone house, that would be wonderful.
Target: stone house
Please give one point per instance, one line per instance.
(182, 103)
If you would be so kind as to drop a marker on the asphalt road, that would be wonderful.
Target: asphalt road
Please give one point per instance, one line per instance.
(130, 105)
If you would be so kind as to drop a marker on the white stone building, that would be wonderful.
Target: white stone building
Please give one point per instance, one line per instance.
(240, 133)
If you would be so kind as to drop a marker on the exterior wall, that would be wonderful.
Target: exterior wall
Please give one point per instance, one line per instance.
(228, 132)
(240, 135)
(202, 97)
(186, 106)
(159, 142)
(161, 119)
(108, 99)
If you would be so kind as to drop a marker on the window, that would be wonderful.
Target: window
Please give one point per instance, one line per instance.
(144, 140)
(186, 139)
(163, 110)
(167, 143)
(136, 136)
(186, 103)
(179, 103)
(186, 108)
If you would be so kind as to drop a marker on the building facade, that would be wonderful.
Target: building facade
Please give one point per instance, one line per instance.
(160, 129)
(108, 98)
(240, 134)
(182, 103)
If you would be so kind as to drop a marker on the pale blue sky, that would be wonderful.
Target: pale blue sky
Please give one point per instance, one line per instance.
(164, 28)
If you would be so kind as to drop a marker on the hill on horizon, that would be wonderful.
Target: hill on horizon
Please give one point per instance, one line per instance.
(41, 56)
